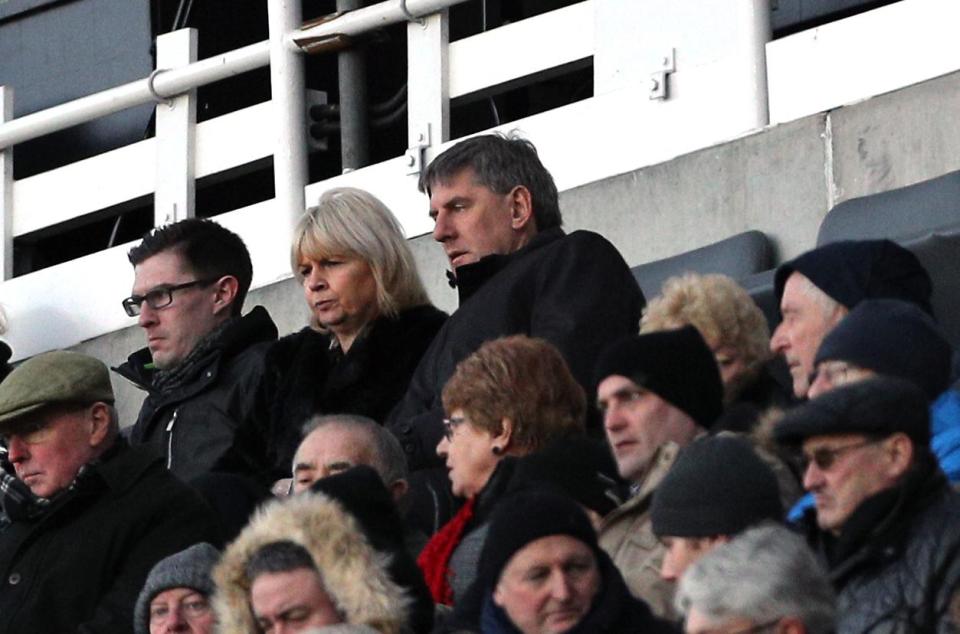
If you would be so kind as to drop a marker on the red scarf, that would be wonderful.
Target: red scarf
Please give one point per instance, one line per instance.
(434, 559)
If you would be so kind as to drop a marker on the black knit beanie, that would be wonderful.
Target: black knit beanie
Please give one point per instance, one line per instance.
(717, 486)
(188, 568)
(524, 518)
(851, 271)
(879, 406)
(895, 338)
(676, 365)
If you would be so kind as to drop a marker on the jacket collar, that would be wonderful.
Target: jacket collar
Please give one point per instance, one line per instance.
(470, 277)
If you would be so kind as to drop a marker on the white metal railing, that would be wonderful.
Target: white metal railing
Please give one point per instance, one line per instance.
(718, 91)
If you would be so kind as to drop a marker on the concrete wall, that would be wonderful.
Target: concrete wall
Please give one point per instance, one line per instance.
(781, 181)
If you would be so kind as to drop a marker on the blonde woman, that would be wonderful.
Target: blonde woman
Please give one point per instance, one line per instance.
(371, 320)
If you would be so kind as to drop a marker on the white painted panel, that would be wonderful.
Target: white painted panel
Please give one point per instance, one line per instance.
(521, 49)
(865, 55)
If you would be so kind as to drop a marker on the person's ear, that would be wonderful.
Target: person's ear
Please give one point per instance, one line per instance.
(790, 625)
(225, 292)
(899, 451)
(521, 208)
(498, 596)
(98, 415)
(501, 442)
(398, 489)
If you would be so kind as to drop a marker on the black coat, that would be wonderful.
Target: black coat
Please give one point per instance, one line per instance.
(81, 566)
(305, 377)
(198, 424)
(573, 290)
(896, 562)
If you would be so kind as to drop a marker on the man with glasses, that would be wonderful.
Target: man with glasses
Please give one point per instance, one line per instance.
(203, 361)
(88, 515)
(885, 522)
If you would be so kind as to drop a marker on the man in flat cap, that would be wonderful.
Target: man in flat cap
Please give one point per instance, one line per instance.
(657, 392)
(88, 515)
(885, 521)
(817, 289)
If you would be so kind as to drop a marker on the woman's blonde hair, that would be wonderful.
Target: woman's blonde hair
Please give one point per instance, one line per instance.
(719, 308)
(352, 222)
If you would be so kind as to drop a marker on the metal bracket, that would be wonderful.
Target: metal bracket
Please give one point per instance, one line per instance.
(414, 154)
(666, 64)
(153, 91)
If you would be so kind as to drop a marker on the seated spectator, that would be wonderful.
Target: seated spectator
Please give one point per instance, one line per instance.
(509, 398)
(736, 332)
(543, 571)
(764, 580)
(203, 361)
(818, 288)
(305, 562)
(893, 338)
(371, 320)
(177, 594)
(657, 392)
(89, 515)
(717, 488)
(885, 522)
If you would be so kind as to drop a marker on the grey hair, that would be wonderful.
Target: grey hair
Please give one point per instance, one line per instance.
(765, 573)
(832, 309)
(354, 222)
(390, 461)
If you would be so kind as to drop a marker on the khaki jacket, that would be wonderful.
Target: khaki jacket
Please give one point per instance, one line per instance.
(626, 534)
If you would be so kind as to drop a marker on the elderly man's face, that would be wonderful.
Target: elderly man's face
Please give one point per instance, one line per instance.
(549, 585)
(292, 601)
(637, 422)
(181, 610)
(173, 331)
(805, 323)
(844, 470)
(698, 623)
(471, 221)
(48, 451)
(328, 450)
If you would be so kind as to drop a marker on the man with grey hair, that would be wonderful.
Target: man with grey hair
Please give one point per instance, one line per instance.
(334, 443)
(89, 515)
(765, 579)
(817, 289)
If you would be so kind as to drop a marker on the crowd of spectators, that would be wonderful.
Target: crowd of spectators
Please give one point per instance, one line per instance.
(554, 456)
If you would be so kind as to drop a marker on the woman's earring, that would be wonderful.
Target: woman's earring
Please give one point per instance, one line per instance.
(497, 451)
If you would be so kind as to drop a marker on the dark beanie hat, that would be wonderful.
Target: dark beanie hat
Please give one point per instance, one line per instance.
(895, 338)
(880, 406)
(524, 518)
(676, 365)
(578, 466)
(188, 568)
(717, 486)
(851, 271)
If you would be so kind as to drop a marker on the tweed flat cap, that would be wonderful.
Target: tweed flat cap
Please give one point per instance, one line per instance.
(53, 377)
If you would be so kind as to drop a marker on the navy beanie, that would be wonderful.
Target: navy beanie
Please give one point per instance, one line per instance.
(878, 406)
(717, 486)
(851, 271)
(894, 338)
(676, 365)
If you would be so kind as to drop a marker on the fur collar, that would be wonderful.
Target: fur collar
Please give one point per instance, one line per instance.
(354, 574)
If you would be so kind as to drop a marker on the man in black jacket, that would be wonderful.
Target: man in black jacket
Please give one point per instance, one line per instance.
(88, 515)
(498, 219)
(203, 361)
(886, 522)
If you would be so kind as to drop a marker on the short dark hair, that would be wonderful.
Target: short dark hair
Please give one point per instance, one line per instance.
(500, 163)
(207, 247)
(279, 556)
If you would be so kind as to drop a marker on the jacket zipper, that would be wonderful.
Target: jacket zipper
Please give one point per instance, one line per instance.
(173, 419)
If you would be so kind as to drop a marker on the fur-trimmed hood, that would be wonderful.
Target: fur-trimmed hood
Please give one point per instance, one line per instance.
(353, 573)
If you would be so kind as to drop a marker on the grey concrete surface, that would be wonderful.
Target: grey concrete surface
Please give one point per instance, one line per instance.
(781, 181)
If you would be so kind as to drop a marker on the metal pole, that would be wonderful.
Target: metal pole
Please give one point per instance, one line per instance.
(352, 74)
(290, 117)
(758, 16)
(6, 190)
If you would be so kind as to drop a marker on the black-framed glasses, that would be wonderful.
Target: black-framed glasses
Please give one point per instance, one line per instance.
(450, 425)
(825, 457)
(160, 296)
